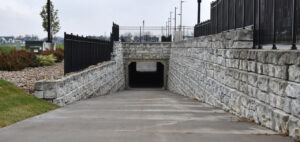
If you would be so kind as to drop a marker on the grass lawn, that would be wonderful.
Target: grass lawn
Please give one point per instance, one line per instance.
(16, 105)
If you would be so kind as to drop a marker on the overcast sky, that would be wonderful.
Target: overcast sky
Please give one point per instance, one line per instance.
(93, 17)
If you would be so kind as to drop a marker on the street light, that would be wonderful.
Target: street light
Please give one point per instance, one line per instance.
(181, 2)
(175, 18)
(171, 23)
(199, 11)
(49, 22)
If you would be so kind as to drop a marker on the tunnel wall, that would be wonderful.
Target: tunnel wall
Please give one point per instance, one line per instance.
(102, 79)
(149, 52)
(223, 70)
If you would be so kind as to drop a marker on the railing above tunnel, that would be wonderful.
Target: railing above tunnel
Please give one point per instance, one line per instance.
(136, 34)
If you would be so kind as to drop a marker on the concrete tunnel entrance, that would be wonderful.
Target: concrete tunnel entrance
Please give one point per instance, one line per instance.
(146, 75)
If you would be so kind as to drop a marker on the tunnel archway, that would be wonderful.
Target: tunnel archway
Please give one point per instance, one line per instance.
(146, 79)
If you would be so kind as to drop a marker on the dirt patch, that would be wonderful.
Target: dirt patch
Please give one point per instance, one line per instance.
(240, 119)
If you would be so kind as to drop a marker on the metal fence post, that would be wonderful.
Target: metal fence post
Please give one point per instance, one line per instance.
(254, 24)
(259, 25)
(274, 25)
(244, 14)
(234, 14)
(294, 47)
(222, 11)
(217, 16)
(228, 27)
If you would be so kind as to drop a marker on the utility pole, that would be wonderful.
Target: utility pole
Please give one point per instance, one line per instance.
(49, 22)
(181, 11)
(140, 34)
(175, 18)
(143, 35)
(167, 29)
(171, 23)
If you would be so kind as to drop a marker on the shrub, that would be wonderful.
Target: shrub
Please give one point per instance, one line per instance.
(58, 53)
(5, 49)
(17, 60)
(60, 46)
(47, 60)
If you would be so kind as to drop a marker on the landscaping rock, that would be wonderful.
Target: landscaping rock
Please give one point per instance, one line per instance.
(26, 78)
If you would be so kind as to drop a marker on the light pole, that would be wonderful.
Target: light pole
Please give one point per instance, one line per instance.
(171, 23)
(181, 2)
(175, 18)
(143, 30)
(199, 11)
(167, 27)
(49, 22)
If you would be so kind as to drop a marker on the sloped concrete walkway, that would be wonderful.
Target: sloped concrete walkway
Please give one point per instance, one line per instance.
(137, 116)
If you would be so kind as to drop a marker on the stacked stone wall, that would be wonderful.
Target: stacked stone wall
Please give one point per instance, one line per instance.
(102, 79)
(224, 71)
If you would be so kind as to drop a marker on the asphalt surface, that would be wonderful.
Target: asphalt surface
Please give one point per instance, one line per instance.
(138, 116)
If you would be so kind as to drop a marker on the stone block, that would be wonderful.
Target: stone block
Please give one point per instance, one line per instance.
(243, 54)
(259, 68)
(263, 83)
(243, 65)
(242, 45)
(292, 90)
(295, 107)
(252, 91)
(39, 86)
(261, 56)
(273, 99)
(288, 58)
(294, 127)
(265, 69)
(280, 102)
(262, 96)
(39, 94)
(278, 86)
(244, 35)
(287, 105)
(50, 94)
(48, 85)
(280, 119)
(273, 57)
(252, 79)
(251, 66)
(252, 55)
(294, 73)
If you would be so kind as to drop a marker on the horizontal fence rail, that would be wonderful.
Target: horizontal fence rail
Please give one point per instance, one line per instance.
(154, 33)
(273, 21)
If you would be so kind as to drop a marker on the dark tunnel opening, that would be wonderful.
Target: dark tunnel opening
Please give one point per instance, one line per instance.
(146, 79)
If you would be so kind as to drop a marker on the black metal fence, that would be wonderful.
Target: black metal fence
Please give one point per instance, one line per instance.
(82, 52)
(276, 21)
(166, 38)
(115, 36)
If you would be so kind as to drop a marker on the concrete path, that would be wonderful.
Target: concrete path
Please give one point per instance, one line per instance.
(137, 116)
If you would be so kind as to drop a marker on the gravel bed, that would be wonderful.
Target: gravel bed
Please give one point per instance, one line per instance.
(26, 78)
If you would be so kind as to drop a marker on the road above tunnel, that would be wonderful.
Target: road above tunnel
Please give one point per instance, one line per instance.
(138, 116)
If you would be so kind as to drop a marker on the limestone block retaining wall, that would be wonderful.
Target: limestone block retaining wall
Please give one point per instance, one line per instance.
(223, 70)
(101, 79)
